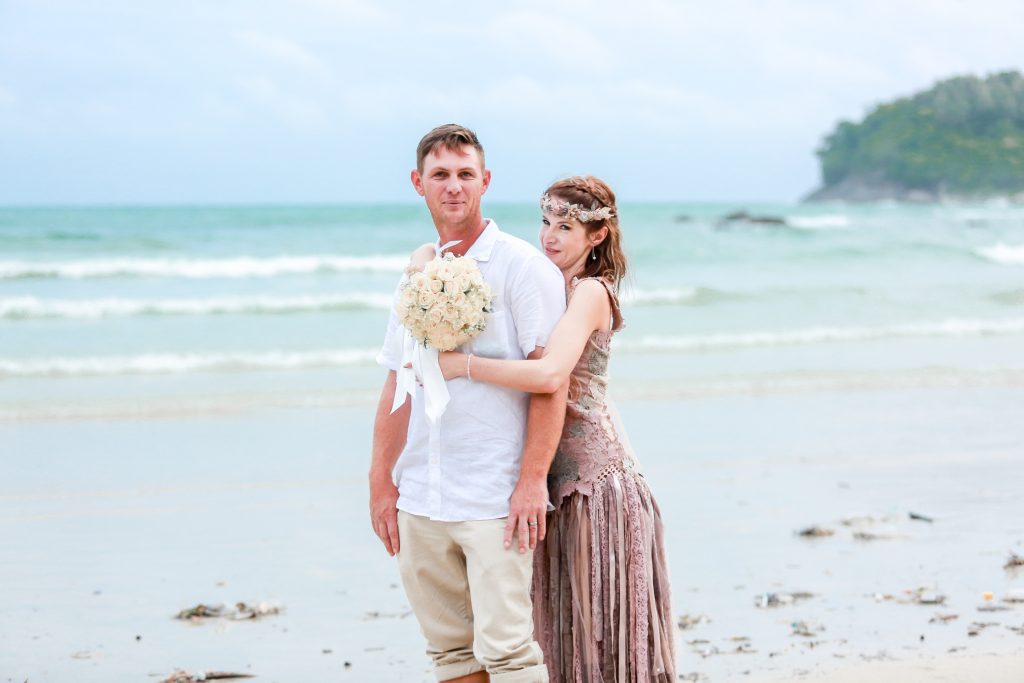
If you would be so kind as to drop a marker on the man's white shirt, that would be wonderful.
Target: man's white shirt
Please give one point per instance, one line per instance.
(466, 466)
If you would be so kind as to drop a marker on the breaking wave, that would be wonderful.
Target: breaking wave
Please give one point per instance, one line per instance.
(28, 307)
(235, 267)
(1005, 254)
(689, 296)
(176, 363)
(817, 335)
(822, 222)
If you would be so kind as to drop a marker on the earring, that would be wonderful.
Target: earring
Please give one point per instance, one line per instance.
(593, 253)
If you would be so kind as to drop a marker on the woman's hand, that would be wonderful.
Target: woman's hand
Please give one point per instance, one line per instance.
(453, 364)
(419, 258)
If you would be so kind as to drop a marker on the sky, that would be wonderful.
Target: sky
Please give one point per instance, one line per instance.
(309, 101)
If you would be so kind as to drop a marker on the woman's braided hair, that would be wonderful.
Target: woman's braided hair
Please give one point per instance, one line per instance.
(593, 193)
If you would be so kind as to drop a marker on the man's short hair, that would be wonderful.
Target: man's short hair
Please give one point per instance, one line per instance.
(451, 136)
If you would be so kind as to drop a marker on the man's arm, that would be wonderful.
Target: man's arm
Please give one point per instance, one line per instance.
(389, 433)
(529, 500)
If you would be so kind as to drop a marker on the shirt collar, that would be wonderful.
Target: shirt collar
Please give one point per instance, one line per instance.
(481, 249)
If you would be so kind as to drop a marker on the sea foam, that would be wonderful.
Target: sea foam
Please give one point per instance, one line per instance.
(176, 363)
(680, 296)
(829, 221)
(236, 267)
(1006, 254)
(29, 307)
(818, 335)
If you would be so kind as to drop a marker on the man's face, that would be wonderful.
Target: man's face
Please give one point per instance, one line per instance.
(452, 182)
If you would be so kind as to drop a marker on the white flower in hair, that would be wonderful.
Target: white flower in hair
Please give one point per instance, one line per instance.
(564, 209)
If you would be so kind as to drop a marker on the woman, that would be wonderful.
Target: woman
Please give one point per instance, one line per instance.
(600, 583)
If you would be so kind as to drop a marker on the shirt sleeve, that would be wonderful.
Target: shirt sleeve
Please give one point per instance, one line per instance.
(390, 355)
(537, 302)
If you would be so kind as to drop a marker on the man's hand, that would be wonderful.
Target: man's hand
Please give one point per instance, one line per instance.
(389, 429)
(528, 507)
(527, 512)
(384, 512)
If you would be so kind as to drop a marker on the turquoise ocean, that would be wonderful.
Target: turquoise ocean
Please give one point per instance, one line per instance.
(186, 402)
(138, 311)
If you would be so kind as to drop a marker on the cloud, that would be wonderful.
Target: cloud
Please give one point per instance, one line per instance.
(549, 41)
(285, 51)
(727, 86)
(613, 104)
(349, 10)
(296, 111)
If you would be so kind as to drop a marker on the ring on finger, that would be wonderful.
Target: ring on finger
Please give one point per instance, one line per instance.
(532, 522)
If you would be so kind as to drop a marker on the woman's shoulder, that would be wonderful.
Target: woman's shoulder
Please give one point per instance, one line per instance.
(591, 291)
(596, 285)
(597, 291)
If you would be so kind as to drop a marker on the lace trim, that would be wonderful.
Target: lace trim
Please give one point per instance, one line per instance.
(612, 468)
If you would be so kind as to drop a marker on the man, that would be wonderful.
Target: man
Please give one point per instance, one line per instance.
(462, 503)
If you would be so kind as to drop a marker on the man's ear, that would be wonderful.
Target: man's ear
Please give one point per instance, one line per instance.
(417, 181)
(487, 180)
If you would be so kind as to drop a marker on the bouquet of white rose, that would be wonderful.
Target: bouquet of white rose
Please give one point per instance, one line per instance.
(445, 306)
(442, 307)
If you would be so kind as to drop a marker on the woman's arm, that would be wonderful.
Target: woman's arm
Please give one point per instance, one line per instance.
(589, 310)
(419, 258)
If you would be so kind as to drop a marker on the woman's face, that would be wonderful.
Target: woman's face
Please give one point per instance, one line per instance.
(565, 241)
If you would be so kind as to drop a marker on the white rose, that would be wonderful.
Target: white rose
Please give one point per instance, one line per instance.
(447, 342)
(435, 339)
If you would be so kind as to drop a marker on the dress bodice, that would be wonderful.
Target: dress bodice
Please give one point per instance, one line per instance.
(593, 442)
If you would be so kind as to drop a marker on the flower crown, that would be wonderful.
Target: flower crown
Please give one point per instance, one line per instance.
(567, 210)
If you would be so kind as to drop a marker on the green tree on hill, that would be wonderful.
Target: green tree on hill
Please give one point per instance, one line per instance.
(964, 136)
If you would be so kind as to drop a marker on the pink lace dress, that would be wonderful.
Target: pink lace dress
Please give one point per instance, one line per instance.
(600, 582)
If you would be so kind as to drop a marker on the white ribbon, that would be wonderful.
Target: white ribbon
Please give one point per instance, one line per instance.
(447, 245)
(423, 368)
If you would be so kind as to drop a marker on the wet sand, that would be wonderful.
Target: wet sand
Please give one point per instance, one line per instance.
(1000, 668)
(111, 527)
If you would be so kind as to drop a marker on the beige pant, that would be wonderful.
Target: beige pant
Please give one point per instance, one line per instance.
(471, 597)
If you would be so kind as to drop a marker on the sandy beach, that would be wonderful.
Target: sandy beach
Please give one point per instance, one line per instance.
(112, 527)
(991, 668)
(977, 669)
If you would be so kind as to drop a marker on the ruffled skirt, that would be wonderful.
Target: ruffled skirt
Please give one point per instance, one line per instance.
(600, 587)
